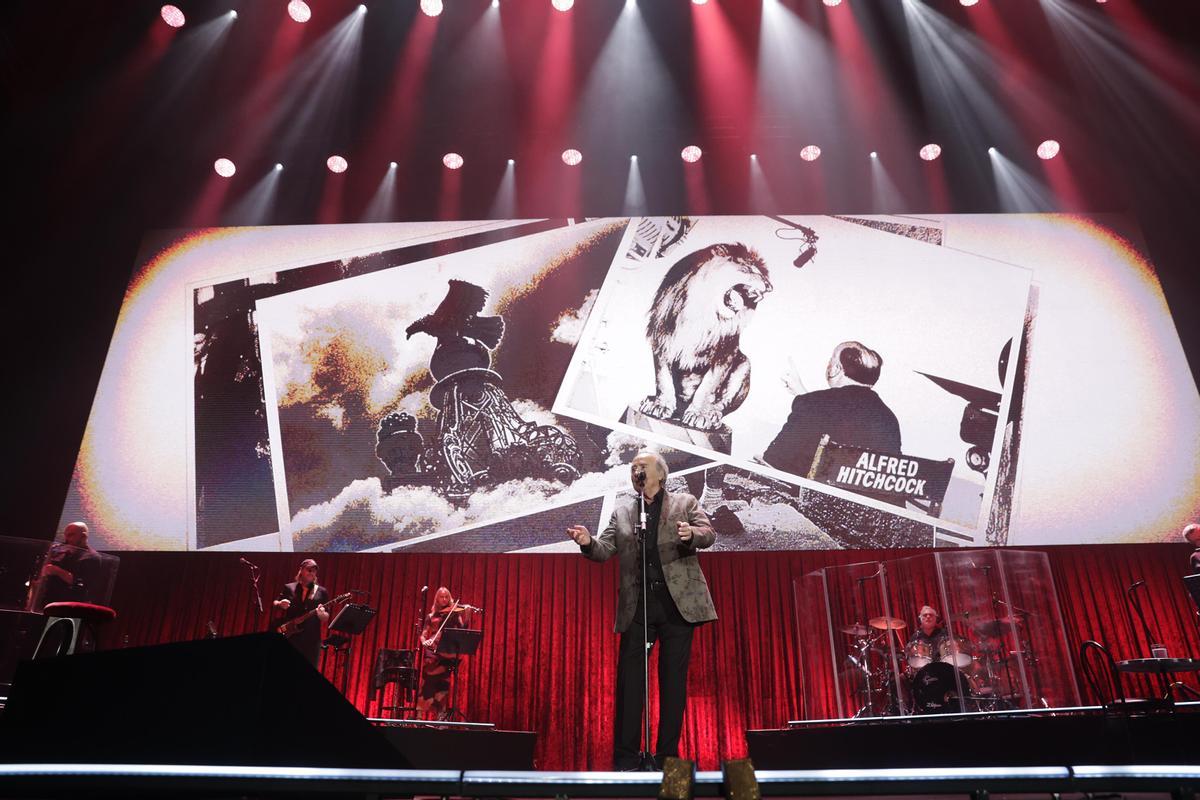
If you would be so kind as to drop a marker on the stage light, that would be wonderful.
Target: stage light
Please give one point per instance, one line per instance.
(562, 5)
(968, 2)
(930, 152)
(362, 9)
(224, 167)
(874, 154)
(511, 162)
(810, 152)
(571, 157)
(633, 157)
(392, 165)
(172, 16)
(699, 2)
(299, 11)
(991, 151)
(691, 154)
(495, 3)
(232, 15)
(337, 164)
(452, 160)
(278, 166)
(832, 3)
(754, 156)
(431, 7)
(1048, 149)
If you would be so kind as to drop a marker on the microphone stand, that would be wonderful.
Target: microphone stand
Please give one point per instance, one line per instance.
(1131, 594)
(254, 576)
(646, 757)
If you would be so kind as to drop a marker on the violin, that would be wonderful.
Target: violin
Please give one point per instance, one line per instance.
(447, 612)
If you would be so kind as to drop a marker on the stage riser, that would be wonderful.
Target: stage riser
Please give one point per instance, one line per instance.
(1040, 741)
(426, 748)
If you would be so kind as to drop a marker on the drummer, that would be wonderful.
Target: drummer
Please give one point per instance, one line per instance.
(930, 631)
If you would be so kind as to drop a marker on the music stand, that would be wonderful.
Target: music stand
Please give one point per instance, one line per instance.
(352, 620)
(456, 642)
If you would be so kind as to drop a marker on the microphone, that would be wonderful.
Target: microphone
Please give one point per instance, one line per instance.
(248, 564)
(639, 476)
(424, 589)
(1136, 584)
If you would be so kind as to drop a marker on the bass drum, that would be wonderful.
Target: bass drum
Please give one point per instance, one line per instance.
(940, 688)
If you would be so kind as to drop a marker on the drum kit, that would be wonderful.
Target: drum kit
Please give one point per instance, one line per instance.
(939, 674)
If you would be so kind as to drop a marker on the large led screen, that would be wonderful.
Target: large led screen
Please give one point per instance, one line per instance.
(818, 382)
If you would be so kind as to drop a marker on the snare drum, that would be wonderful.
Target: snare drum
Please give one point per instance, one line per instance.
(956, 650)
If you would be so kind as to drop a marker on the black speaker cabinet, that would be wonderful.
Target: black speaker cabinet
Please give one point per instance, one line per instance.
(246, 700)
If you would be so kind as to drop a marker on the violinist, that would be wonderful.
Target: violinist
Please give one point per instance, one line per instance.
(446, 612)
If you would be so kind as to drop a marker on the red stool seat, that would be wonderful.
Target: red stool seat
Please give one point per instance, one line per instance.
(88, 612)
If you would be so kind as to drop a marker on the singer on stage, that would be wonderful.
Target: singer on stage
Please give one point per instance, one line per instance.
(678, 601)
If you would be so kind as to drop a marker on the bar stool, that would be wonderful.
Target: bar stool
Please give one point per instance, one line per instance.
(71, 628)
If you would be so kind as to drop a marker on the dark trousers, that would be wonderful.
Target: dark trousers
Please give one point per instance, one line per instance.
(674, 635)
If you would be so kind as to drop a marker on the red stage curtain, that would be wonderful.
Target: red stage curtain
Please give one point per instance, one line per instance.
(547, 659)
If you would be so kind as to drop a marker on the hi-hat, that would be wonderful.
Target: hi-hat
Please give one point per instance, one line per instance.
(855, 630)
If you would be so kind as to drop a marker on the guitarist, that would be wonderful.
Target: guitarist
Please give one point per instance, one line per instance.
(301, 597)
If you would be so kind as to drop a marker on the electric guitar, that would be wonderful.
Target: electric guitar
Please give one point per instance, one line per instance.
(292, 626)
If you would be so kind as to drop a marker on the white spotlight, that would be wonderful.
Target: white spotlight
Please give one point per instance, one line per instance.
(562, 5)
(691, 154)
(511, 161)
(172, 16)
(337, 164)
(571, 157)
(278, 167)
(633, 157)
(299, 11)
(224, 167)
(495, 3)
(392, 165)
(874, 154)
(233, 15)
(699, 2)
(930, 152)
(810, 152)
(1048, 149)
(452, 161)
(968, 2)
(832, 3)
(362, 9)
(991, 151)
(431, 7)
(754, 156)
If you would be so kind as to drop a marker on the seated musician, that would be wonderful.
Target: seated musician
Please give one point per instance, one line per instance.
(446, 612)
(930, 634)
(1191, 535)
(304, 596)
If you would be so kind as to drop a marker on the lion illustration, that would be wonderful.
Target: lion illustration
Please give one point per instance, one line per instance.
(695, 331)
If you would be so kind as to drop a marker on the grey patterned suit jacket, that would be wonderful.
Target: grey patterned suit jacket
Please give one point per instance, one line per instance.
(680, 566)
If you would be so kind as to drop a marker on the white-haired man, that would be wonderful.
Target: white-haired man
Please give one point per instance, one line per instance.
(677, 600)
(1191, 535)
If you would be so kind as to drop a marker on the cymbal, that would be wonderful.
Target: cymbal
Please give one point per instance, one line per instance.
(855, 630)
(886, 623)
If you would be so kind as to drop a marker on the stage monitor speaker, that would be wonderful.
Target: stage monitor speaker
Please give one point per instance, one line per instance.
(243, 700)
(432, 748)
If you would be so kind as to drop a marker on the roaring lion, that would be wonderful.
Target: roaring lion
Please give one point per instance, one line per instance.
(695, 331)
